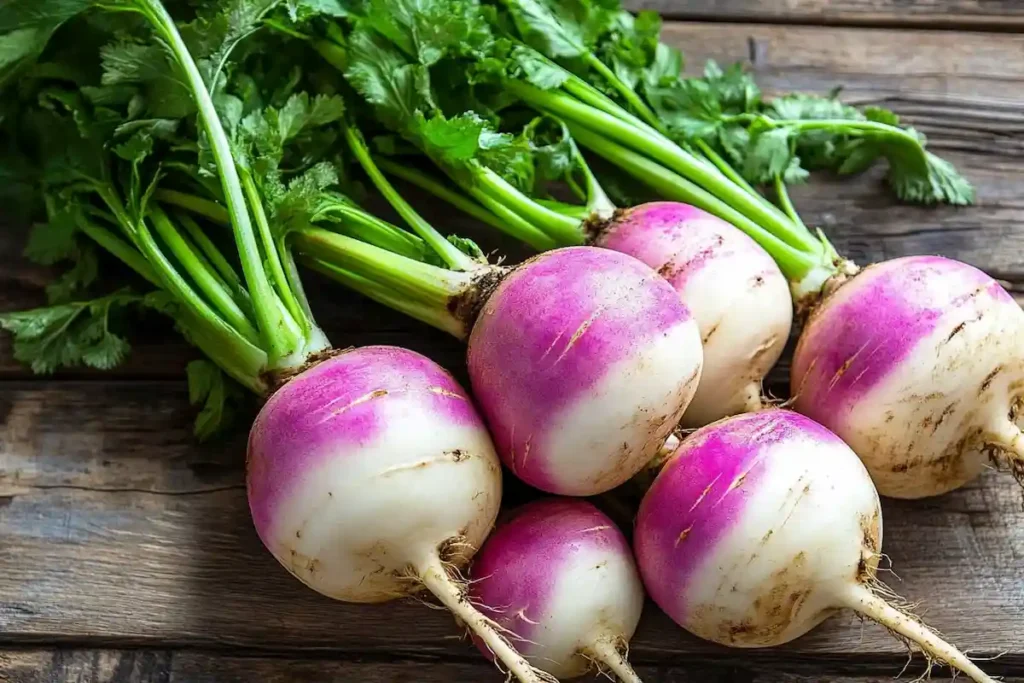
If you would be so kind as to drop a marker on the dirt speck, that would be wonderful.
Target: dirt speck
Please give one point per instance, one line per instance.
(987, 382)
(457, 455)
(956, 330)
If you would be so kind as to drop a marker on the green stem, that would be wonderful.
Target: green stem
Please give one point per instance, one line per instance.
(787, 205)
(171, 281)
(275, 331)
(332, 53)
(355, 222)
(197, 205)
(241, 360)
(563, 229)
(441, 191)
(514, 224)
(667, 153)
(598, 202)
(794, 263)
(588, 94)
(485, 208)
(219, 262)
(201, 273)
(421, 283)
(847, 126)
(123, 251)
(729, 172)
(278, 280)
(293, 277)
(442, 319)
(628, 94)
(449, 253)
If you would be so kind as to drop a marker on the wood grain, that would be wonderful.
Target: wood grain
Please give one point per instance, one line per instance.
(999, 15)
(165, 666)
(114, 528)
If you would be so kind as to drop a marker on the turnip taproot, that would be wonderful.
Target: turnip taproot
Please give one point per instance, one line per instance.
(371, 476)
(763, 525)
(560, 577)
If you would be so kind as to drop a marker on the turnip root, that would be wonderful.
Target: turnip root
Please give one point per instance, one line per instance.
(560, 577)
(583, 361)
(371, 476)
(763, 525)
(733, 288)
(918, 364)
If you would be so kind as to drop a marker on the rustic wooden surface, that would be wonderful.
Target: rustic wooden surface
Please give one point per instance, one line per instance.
(126, 553)
(995, 15)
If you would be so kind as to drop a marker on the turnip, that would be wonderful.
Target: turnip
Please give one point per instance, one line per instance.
(763, 525)
(734, 289)
(560, 577)
(917, 364)
(371, 477)
(876, 367)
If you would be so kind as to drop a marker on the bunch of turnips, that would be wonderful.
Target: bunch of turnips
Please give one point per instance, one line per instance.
(217, 149)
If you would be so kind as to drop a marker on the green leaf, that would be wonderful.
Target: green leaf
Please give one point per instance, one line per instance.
(147, 66)
(302, 10)
(538, 70)
(429, 30)
(300, 201)
(71, 334)
(689, 109)
(76, 279)
(926, 180)
(380, 73)
(769, 155)
(562, 28)
(53, 241)
(26, 27)
(554, 154)
(803, 107)
(467, 246)
(455, 141)
(218, 395)
(879, 115)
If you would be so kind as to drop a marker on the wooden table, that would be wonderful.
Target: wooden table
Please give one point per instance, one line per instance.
(126, 552)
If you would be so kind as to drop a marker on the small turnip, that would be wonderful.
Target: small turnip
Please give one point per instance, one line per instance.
(560, 577)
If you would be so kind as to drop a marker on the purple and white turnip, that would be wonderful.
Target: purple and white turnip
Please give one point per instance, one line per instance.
(560, 578)
(583, 361)
(918, 364)
(763, 525)
(371, 477)
(731, 285)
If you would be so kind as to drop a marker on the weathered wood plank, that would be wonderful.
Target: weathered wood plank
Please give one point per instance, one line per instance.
(169, 666)
(1001, 15)
(115, 529)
